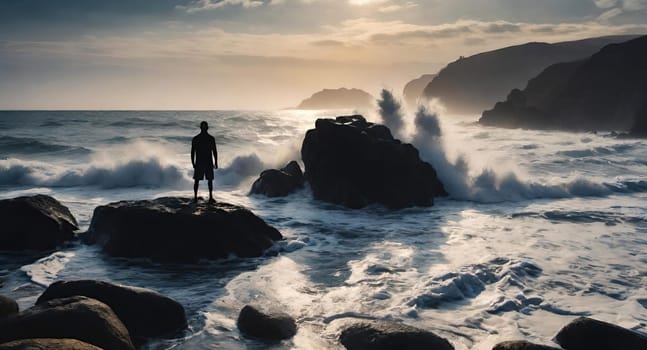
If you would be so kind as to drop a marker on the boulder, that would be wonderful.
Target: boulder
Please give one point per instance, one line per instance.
(352, 162)
(589, 334)
(144, 312)
(38, 222)
(521, 345)
(279, 183)
(79, 318)
(270, 326)
(179, 229)
(48, 344)
(8, 306)
(384, 335)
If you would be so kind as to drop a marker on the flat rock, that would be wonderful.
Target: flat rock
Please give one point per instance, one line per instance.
(144, 312)
(521, 345)
(588, 334)
(81, 318)
(47, 344)
(384, 335)
(279, 183)
(35, 223)
(178, 229)
(270, 326)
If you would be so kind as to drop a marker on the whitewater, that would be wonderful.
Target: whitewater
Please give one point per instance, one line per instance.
(540, 226)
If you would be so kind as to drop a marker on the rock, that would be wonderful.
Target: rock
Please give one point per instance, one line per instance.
(279, 183)
(39, 222)
(8, 306)
(339, 99)
(47, 344)
(352, 162)
(589, 334)
(178, 229)
(144, 312)
(521, 345)
(79, 318)
(270, 326)
(413, 90)
(383, 335)
(639, 128)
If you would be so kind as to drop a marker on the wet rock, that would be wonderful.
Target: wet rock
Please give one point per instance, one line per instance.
(38, 222)
(144, 312)
(49, 344)
(178, 229)
(279, 183)
(270, 326)
(521, 345)
(383, 335)
(589, 334)
(352, 162)
(79, 318)
(8, 306)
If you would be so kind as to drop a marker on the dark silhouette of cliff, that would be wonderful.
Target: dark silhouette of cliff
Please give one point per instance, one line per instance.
(413, 90)
(338, 99)
(604, 92)
(473, 84)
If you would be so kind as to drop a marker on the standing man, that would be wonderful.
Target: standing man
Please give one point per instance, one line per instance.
(203, 147)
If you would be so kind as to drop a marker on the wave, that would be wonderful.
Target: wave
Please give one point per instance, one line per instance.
(10, 145)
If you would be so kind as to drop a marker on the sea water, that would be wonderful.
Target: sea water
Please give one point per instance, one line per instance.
(540, 226)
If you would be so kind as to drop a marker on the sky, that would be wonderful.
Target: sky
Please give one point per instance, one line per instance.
(263, 54)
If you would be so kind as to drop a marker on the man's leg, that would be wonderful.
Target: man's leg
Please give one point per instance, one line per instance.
(210, 183)
(195, 189)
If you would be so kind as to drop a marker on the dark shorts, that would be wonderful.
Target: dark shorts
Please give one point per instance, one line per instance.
(200, 172)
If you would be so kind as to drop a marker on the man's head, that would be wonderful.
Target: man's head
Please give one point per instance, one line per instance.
(204, 126)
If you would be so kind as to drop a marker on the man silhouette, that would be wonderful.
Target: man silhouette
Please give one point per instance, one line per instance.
(202, 147)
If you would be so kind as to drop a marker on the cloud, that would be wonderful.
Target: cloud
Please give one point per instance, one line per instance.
(616, 8)
(203, 5)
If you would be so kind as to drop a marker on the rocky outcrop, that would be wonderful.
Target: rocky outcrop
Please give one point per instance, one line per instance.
(39, 222)
(473, 84)
(603, 92)
(352, 162)
(589, 334)
(521, 345)
(639, 129)
(279, 183)
(413, 90)
(78, 318)
(8, 307)
(383, 335)
(339, 99)
(269, 326)
(47, 344)
(179, 229)
(144, 312)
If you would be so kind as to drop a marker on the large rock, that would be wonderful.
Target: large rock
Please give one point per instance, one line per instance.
(279, 183)
(589, 334)
(8, 306)
(639, 129)
(412, 91)
(338, 99)
(39, 222)
(178, 229)
(144, 312)
(271, 326)
(47, 344)
(354, 163)
(521, 345)
(383, 335)
(79, 318)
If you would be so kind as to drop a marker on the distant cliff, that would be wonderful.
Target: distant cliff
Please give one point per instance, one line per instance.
(473, 84)
(607, 91)
(413, 90)
(338, 99)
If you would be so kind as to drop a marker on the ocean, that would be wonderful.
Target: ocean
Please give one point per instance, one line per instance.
(540, 226)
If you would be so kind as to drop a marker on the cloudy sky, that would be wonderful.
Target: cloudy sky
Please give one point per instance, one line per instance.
(256, 54)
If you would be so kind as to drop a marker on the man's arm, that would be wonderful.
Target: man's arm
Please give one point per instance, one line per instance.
(215, 155)
(193, 154)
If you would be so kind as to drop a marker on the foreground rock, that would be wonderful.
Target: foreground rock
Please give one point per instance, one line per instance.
(49, 344)
(8, 306)
(279, 183)
(589, 334)
(354, 163)
(39, 222)
(383, 335)
(270, 326)
(79, 318)
(521, 345)
(144, 312)
(177, 229)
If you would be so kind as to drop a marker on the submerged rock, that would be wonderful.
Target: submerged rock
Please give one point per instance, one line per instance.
(589, 334)
(47, 343)
(38, 222)
(279, 183)
(521, 345)
(79, 318)
(178, 229)
(144, 312)
(352, 162)
(384, 335)
(271, 326)
(8, 306)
